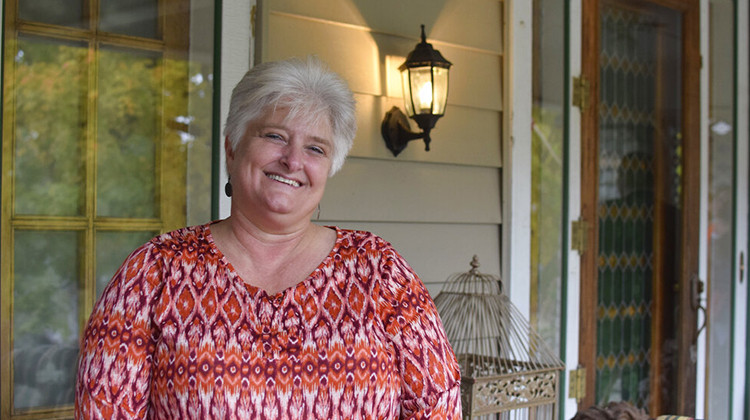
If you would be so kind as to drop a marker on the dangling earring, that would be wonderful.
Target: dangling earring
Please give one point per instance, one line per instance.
(318, 216)
(228, 188)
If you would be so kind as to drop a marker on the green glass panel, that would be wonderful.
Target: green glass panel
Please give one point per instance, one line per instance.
(50, 120)
(637, 286)
(608, 87)
(631, 384)
(619, 232)
(605, 235)
(130, 17)
(602, 335)
(112, 248)
(606, 293)
(619, 281)
(602, 378)
(55, 12)
(607, 339)
(128, 133)
(617, 335)
(628, 286)
(627, 334)
(45, 317)
(632, 87)
(609, 385)
(637, 333)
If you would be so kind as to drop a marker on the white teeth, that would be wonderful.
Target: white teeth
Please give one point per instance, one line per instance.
(287, 181)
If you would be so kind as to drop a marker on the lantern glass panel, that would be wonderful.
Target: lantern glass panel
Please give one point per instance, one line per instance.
(406, 87)
(420, 85)
(440, 89)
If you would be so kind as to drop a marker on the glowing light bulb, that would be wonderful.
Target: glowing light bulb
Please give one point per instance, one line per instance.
(425, 98)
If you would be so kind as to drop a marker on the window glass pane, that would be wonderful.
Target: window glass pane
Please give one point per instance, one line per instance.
(111, 250)
(45, 317)
(55, 12)
(198, 142)
(197, 135)
(130, 17)
(547, 170)
(128, 133)
(49, 128)
(721, 205)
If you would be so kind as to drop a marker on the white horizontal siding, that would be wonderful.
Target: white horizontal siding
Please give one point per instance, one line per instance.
(445, 20)
(404, 192)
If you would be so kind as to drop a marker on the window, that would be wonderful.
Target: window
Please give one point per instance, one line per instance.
(547, 171)
(106, 142)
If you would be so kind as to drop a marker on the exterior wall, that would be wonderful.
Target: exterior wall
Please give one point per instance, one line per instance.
(439, 207)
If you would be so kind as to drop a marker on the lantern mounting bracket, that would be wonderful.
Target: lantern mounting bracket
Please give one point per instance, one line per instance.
(397, 132)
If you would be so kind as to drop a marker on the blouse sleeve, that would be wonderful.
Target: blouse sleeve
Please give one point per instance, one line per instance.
(430, 377)
(114, 366)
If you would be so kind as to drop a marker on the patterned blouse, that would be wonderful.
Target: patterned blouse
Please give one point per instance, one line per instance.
(178, 334)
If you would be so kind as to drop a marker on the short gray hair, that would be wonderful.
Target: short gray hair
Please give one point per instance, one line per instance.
(308, 88)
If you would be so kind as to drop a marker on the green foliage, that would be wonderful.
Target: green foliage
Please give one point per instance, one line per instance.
(50, 115)
(128, 120)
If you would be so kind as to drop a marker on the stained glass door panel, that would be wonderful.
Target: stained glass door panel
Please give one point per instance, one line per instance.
(639, 162)
(638, 194)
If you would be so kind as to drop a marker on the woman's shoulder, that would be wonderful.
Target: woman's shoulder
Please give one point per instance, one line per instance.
(175, 245)
(365, 245)
(186, 237)
(362, 239)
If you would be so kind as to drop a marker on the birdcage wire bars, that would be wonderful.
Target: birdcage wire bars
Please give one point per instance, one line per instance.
(506, 367)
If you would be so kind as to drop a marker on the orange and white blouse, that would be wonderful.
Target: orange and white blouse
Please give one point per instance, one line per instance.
(177, 334)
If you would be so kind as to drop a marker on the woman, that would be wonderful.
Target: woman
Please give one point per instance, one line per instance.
(264, 314)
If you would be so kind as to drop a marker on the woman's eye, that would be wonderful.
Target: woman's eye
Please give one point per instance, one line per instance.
(274, 136)
(317, 149)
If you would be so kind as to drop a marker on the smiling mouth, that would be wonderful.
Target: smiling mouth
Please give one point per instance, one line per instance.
(283, 180)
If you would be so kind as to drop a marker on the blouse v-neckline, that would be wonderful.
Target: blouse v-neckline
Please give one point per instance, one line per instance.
(259, 292)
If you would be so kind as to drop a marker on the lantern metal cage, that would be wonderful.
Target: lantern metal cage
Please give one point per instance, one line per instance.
(507, 370)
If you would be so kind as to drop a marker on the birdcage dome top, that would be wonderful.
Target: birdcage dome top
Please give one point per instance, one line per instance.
(488, 333)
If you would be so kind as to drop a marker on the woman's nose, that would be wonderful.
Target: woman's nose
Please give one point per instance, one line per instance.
(291, 157)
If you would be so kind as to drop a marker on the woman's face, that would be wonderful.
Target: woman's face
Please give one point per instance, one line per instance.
(279, 169)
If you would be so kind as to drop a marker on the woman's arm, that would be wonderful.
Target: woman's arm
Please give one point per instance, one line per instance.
(114, 366)
(430, 377)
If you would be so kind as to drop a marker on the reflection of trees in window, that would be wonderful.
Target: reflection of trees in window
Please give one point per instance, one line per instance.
(127, 125)
(100, 152)
(45, 321)
(49, 119)
(546, 216)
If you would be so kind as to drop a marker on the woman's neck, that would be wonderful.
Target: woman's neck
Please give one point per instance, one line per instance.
(272, 261)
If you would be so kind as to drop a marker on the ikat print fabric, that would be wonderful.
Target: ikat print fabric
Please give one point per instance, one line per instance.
(177, 334)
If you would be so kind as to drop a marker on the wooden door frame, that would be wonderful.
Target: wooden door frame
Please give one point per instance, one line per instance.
(689, 232)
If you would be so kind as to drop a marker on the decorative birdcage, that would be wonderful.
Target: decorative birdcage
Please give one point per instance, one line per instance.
(506, 367)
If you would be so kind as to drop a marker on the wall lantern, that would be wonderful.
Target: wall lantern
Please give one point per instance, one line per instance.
(424, 79)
